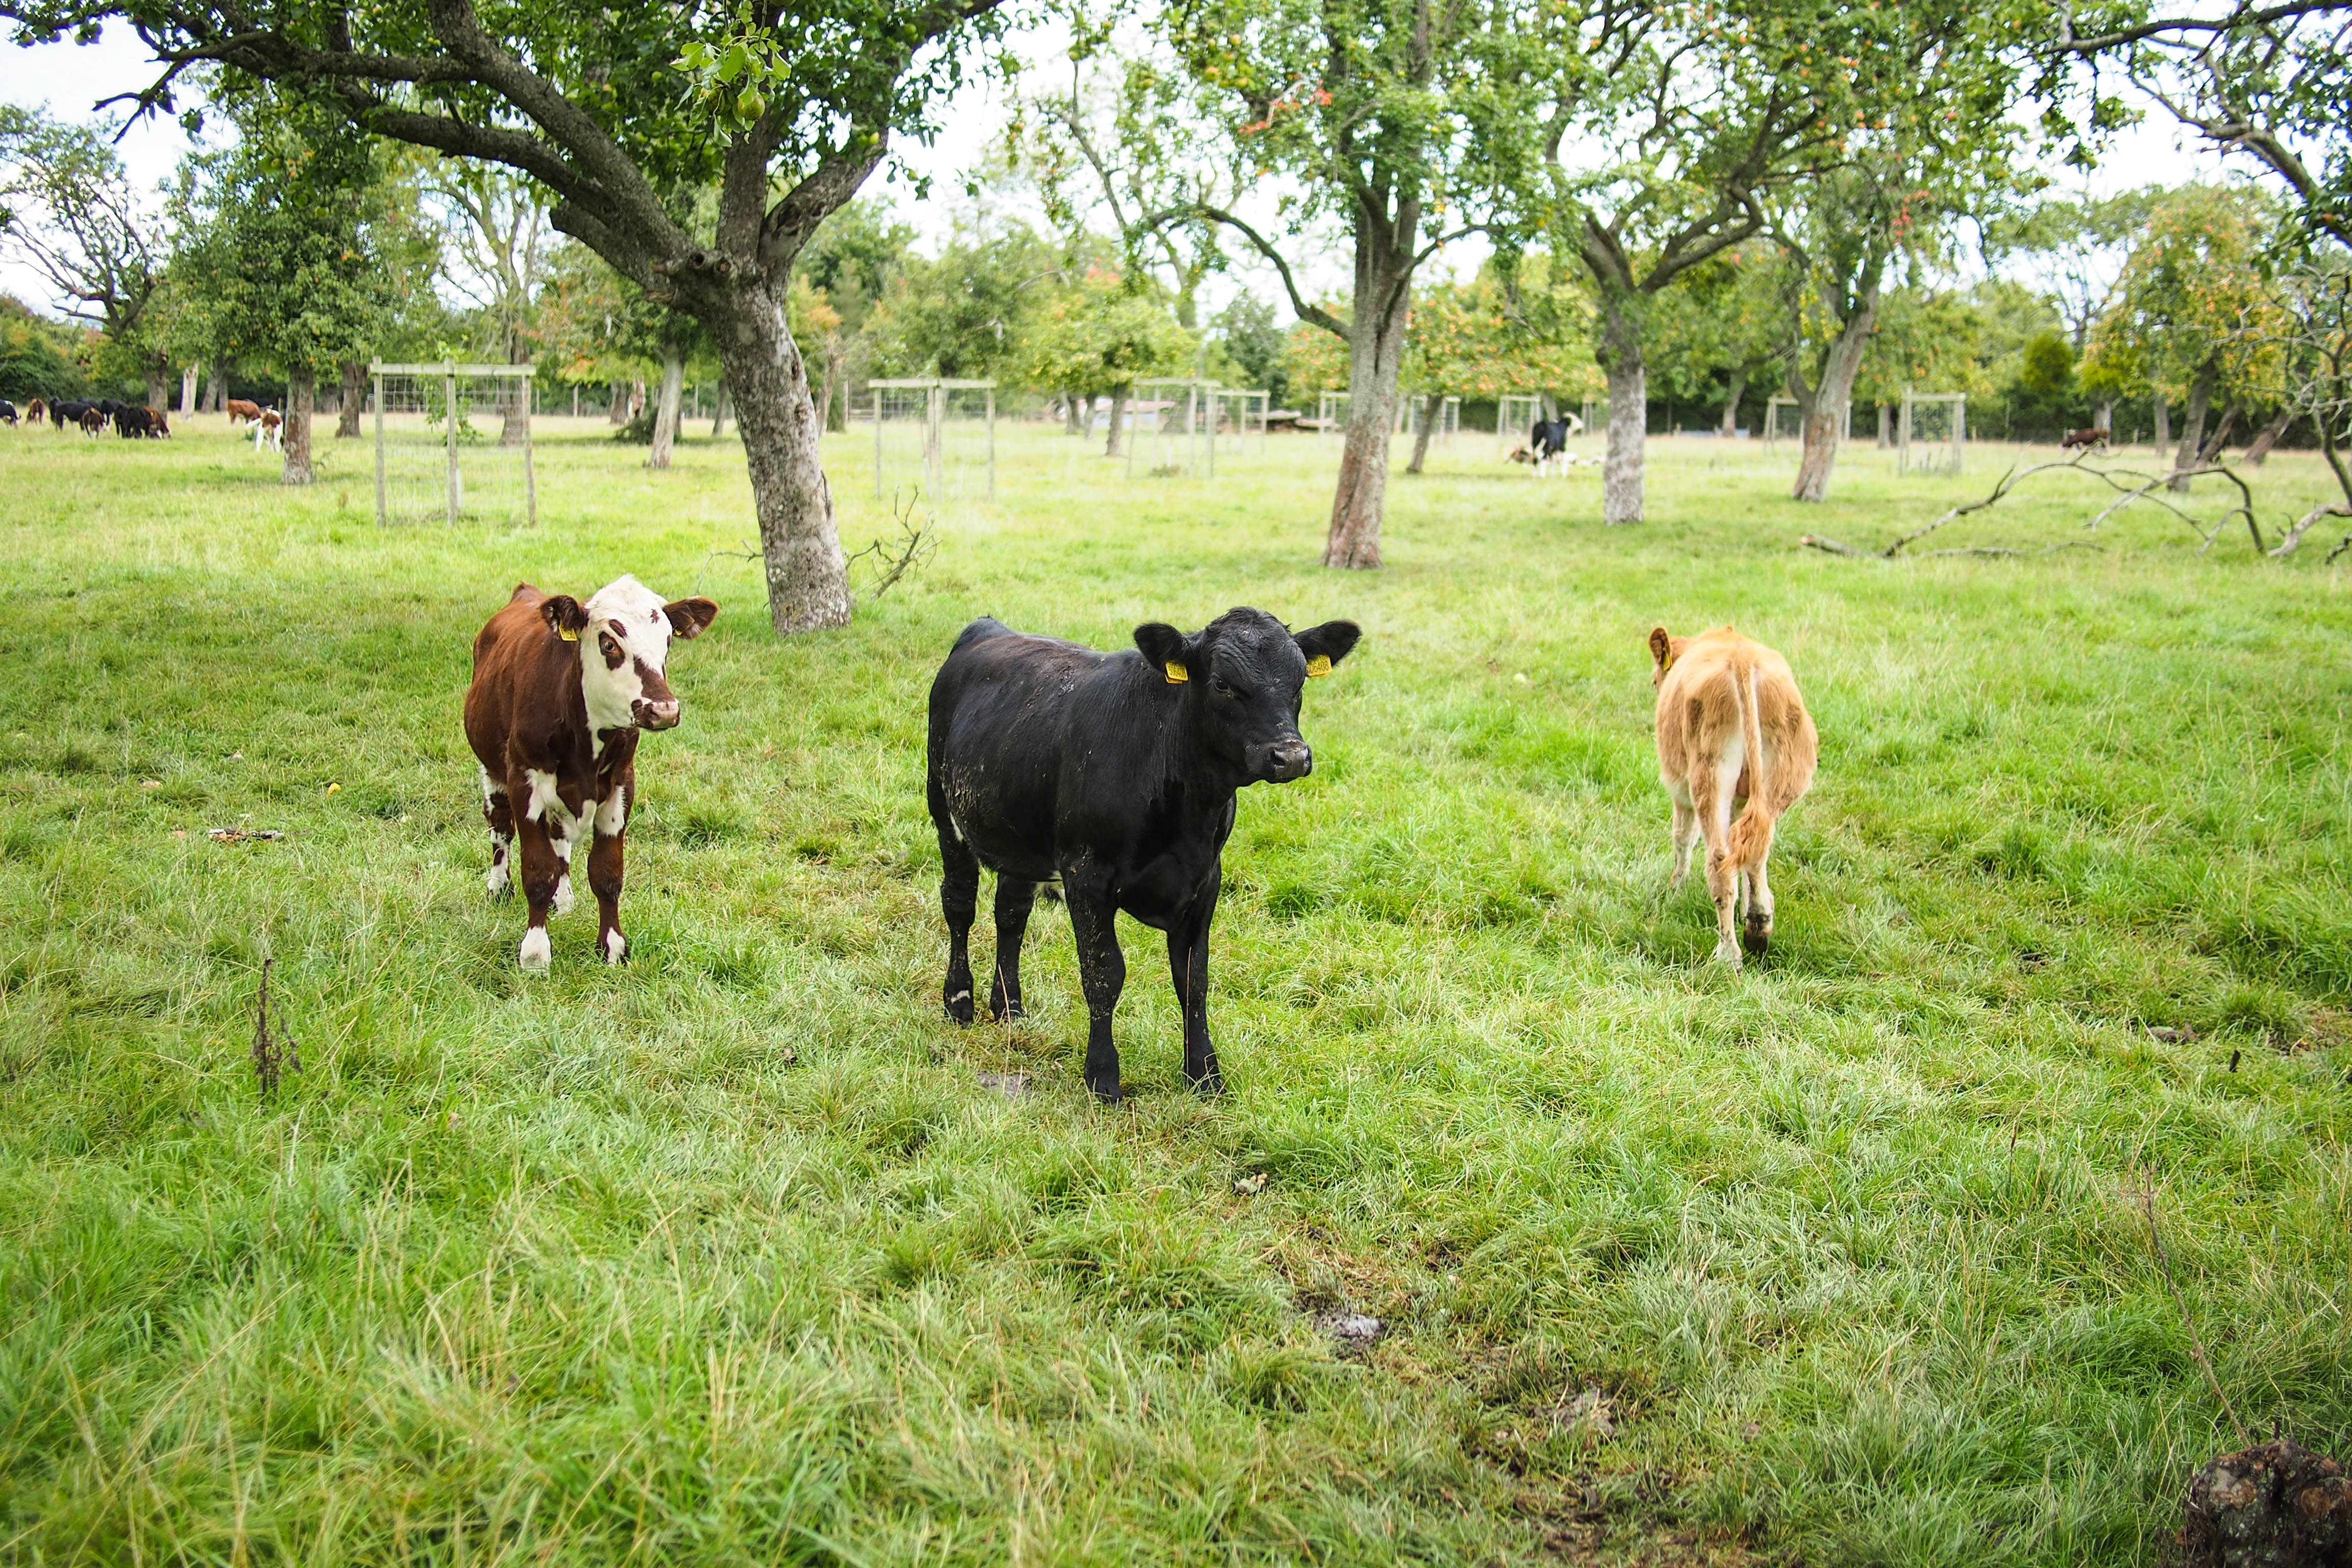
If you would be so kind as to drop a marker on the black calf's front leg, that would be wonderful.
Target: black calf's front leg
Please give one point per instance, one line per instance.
(1188, 967)
(1015, 898)
(959, 900)
(1102, 974)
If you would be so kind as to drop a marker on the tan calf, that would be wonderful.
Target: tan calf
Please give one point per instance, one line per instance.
(1732, 731)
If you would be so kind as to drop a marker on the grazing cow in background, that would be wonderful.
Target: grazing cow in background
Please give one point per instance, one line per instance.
(242, 412)
(8, 412)
(68, 413)
(1731, 728)
(130, 421)
(1115, 773)
(93, 420)
(1548, 441)
(2087, 439)
(560, 691)
(269, 430)
(36, 411)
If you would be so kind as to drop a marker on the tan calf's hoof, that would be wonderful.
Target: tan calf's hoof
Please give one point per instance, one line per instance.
(1757, 936)
(1727, 954)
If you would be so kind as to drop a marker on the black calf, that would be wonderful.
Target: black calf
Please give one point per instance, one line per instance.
(1115, 773)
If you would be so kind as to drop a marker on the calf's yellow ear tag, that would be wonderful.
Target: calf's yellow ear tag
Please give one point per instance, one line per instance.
(1320, 665)
(1177, 674)
(567, 633)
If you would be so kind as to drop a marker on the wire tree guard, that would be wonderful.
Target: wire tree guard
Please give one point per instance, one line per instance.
(1514, 415)
(1181, 428)
(1596, 415)
(1416, 408)
(1240, 416)
(936, 433)
(452, 441)
(1332, 412)
(1932, 437)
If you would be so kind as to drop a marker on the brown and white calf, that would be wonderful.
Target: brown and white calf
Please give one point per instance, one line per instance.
(1732, 730)
(561, 691)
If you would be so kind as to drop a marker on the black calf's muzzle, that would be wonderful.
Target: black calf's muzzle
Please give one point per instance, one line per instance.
(1287, 760)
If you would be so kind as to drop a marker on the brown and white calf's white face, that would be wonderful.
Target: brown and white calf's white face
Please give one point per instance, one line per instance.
(624, 632)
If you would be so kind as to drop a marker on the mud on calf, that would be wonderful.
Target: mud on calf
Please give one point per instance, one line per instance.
(1118, 773)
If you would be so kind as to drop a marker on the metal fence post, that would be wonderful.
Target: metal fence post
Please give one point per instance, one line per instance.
(449, 431)
(379, 450)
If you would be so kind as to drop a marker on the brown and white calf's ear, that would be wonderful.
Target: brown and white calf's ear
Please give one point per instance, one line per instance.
(1168, 649)
(1328, 644)
(565, 616)
(1662, 647)
(688, 617)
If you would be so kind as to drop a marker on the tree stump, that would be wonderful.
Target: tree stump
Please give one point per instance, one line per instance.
(2276, 1505)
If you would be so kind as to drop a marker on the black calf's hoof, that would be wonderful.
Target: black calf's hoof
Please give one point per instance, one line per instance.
(959, 1006)
(1105, 1092)
(1209, 1085)
(1002, 1010)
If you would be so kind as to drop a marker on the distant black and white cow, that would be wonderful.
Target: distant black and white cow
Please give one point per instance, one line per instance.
(8, 413)
(560, 691)
(1549, 442)
(1115, 773)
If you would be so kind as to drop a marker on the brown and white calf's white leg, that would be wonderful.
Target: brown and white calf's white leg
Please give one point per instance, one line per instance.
(541, 870)
(499, 812)
(546, 806)
(604, 863)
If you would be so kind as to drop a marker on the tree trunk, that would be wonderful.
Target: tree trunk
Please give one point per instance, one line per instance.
(2193, 428)
(617, 411)
(1375, 356)
(187, 392)
(808, 581)
(217, 399)
(2268, 435)
(159, 382)
(1117, 418)
(1433, 409)
(726, 407)
(1885, 424)
(1732, 394)
(673, 384)
(347, 424)
(302, 391)
(1824, 406)
(514, 402)
(1070, 414)
(836, 411)
(2211, 451)
(2163, 427)
(2106, 418)
(1619, 350)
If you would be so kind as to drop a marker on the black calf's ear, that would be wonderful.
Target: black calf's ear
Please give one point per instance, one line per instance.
(563, 615)
(1662, 647)
(1328, 644)
(688, 617)
(1165, 646)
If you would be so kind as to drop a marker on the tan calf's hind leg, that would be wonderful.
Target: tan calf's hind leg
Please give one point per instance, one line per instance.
(1712, 803)
(1685, 832)
(1757, 931)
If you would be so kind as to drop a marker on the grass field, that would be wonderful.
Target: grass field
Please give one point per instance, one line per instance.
(732, 1256)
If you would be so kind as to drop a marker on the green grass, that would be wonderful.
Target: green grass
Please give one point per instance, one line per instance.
(730, 1255)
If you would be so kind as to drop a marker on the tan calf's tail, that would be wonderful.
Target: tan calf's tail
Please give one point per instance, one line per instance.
(1752, 834)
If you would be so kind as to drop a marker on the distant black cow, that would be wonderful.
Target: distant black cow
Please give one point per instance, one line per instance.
(131, 422)
(1115, 773)
(67, 414)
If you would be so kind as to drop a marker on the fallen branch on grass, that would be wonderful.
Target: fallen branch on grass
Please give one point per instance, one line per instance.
(2296, 530)
(897, 557)
(271, 1055)
(2115, 479)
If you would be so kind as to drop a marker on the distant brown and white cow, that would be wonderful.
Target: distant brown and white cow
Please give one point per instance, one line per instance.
(560, 691)
(2086, 438)
(240, 410)
(1732, 728)
(269, 430)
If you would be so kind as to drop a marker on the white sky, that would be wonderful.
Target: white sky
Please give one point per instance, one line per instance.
(70, 79)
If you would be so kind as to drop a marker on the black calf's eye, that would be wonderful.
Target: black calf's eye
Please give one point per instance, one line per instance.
(1217, 684)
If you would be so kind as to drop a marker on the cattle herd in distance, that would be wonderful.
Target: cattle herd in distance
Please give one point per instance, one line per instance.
(132, 421)
(1113, 777)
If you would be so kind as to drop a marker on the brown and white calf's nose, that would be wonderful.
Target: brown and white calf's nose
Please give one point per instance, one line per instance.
(655, 714)
(1287, 760)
